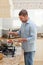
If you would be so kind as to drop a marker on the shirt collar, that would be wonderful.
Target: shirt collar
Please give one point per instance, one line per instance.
(28, 21)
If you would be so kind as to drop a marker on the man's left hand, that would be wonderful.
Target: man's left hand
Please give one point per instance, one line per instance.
(22, 40)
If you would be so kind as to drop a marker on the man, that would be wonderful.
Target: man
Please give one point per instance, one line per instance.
(28, 36)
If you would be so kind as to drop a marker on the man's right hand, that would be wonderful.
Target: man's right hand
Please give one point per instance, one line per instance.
(13, 33)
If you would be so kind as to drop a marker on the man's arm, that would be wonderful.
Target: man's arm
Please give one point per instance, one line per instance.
(33, 33)
(16, 33)
(13, 33)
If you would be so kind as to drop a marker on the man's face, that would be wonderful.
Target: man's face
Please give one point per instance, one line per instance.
(23, 18)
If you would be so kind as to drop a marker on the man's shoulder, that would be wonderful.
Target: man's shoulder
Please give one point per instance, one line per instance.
(32, 24)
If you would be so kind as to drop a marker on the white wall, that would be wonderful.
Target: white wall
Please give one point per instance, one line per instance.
(7, 23)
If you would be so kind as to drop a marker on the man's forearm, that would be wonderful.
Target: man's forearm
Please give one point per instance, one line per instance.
(22, 40)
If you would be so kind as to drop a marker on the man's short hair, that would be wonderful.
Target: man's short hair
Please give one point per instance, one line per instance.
(23, 12)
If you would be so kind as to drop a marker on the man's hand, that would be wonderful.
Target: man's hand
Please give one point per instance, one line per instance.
(13, 33)
(22, 40)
